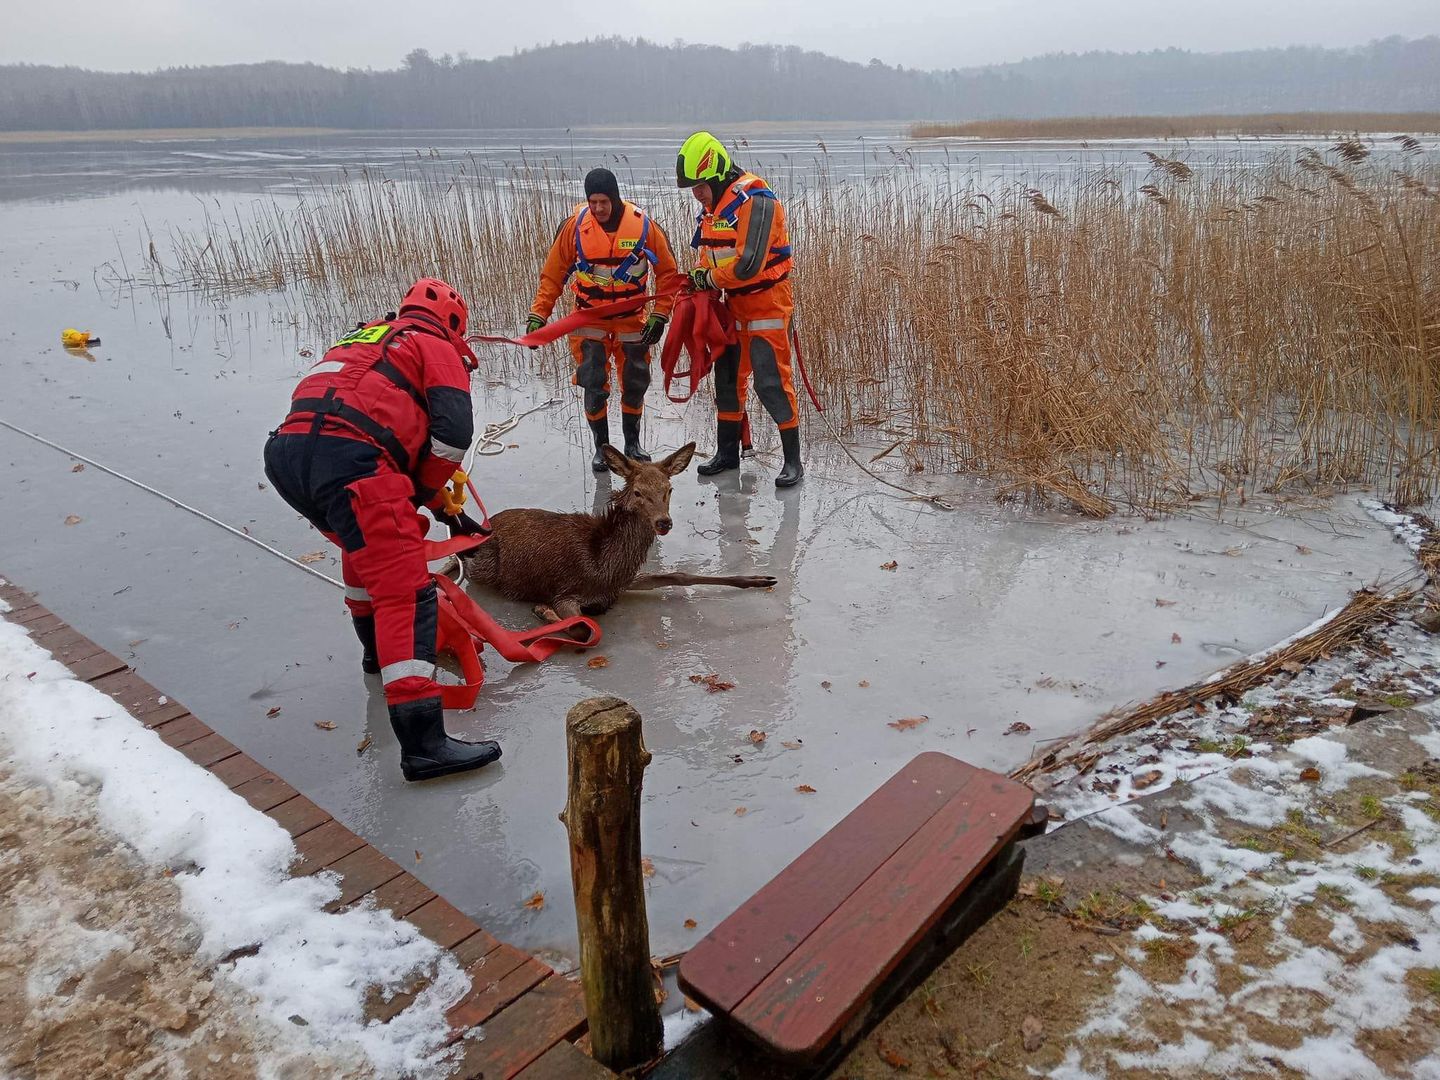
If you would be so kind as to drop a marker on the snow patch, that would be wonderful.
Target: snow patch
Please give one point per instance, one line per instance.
(230, 863)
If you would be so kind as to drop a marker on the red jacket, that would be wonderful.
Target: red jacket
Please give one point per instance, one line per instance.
(399, 385)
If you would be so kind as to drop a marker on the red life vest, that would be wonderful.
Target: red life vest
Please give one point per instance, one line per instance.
(370, 385)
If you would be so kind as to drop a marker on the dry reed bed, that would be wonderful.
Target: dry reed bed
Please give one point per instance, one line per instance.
(1183, 127)
(1111, 339)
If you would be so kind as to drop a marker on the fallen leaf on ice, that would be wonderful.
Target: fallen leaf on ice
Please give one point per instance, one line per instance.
(313, 556)
(418, 856)
(741, 811)
(1145, 779)
(1019, 727)
(73, 519)
(536, 902)
(805, 789)
(690, 924)
(1165, 603)
(598, 662)
(1301, 549)
(1174, 639)
(274, 710)
(713, 683)
(79, 466)
(1032, 1032)
(647, 868)
(825, 684)
(325, 725)
(1310, 775)
(864, 683)
(662, 644)
(796, 745)
(906, 723)
(757, 737)
(891, 565)
(364, 744)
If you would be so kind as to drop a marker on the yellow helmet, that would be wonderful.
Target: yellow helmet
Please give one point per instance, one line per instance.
(702, 157)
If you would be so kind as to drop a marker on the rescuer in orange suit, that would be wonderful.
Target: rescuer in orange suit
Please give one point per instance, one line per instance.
(607, 249)
(743, 249)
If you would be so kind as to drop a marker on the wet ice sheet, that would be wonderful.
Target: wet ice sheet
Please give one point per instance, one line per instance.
(993, 615)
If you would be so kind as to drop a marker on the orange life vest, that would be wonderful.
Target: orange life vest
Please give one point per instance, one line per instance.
(610, 265)
(717, 244)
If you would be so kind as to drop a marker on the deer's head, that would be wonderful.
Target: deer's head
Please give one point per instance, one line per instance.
(647, 484)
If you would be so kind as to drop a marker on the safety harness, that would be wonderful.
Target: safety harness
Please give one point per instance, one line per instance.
(621, 273)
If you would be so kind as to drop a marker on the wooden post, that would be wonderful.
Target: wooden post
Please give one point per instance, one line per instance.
(607, 759)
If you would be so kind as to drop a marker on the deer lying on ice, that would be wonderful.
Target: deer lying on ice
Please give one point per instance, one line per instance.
(572, 564)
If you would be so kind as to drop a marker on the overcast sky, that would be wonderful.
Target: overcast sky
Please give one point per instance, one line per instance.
(122, 35)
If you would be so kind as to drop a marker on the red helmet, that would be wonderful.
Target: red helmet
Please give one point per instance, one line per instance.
(441, 302)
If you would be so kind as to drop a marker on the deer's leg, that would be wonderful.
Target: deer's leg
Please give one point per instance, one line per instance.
(736, 581)
(563, 607)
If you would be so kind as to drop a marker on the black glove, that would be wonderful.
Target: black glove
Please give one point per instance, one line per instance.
(461, 524)
(699, 279)
(535, 322)
(654, 330)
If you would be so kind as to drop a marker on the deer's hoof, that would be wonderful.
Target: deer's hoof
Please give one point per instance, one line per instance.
(545, 614)
(765, 582)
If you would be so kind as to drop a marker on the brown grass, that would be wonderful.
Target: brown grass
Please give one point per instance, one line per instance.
(1207, 329)
(1183, 127)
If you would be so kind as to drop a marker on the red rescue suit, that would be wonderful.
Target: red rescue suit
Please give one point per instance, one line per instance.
(376, 428)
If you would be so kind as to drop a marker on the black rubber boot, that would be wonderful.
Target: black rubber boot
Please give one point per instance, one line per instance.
(792, 472)
(426, 751)
(601, 430)
(630, 425)
(727, 449)
(365, 631)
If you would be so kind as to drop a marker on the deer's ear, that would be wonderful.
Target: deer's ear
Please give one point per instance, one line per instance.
(619, 464)
(679, 461)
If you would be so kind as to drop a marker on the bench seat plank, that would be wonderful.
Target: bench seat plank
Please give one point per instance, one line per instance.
(802, 1006)
(733, 959)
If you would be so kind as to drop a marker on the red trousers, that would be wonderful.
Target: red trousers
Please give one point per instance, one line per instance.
(360, 504)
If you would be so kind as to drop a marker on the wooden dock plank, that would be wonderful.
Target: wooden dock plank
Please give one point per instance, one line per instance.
(208, 750)
(24, 616)
(361, 872)
(182, 730)
(44, 624)
(140, 699)
(566, 1061)
(402, 895)
(496, 980)
(519, 1036)
(298, 816)
(732, 959)
(321, 846)
(238, 769)
(97, 666)
(863, 941)
(265, 791)
(442, 922)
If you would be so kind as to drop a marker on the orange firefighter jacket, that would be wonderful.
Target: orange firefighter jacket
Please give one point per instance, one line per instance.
(602, 266)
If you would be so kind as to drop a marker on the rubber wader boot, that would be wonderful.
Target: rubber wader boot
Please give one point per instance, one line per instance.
(365, 631)
(792, 472)
(727, 449)
(631, 426)
(601, 430)
(426, 751)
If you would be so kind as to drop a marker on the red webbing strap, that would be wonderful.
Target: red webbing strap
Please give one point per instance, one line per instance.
(598, 315)
(701, 325)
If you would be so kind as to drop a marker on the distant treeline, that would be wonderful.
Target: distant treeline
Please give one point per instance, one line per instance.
(1185, 127)
(614, 80)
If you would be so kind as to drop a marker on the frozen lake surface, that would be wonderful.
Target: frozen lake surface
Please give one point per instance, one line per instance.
(993, 615)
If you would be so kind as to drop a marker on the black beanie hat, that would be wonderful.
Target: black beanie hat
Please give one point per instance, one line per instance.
(603, 182)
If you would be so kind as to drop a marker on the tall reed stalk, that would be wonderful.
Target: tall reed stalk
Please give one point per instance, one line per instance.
(1206, 328)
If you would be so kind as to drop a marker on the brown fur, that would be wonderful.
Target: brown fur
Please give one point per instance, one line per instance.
(572, 563)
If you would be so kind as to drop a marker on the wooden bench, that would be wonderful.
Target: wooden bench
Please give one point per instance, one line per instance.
(832, 943)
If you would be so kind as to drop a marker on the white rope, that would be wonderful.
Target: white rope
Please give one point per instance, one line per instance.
(174, 502)
(491, 435)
